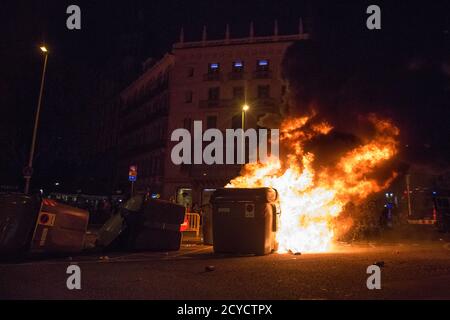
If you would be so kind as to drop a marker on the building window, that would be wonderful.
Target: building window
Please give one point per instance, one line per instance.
(238, 92)
(213, 68)
(283, 90)
(211, 122)
(187, 124)
(264, 91)
(190, 72)
(262, 65)
(188, 97)
(214, 93)
(238, 66)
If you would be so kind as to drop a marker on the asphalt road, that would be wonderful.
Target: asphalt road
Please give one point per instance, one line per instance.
(412, 270)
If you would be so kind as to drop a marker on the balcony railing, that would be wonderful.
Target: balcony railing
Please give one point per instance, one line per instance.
(213, 103)
(262, 74)
(236, 75)
(215, 76)
(264, 102)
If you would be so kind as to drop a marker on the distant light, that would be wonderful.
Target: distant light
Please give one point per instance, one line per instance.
(43, 49)
(214, 65)
(238, 64)
(434, 192)
(56, 183)
(41, 191)
(263, 62)
(245, 107)
(392, 194)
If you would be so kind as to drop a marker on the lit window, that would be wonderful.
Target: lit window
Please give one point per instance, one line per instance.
(262, 65)
(238, 66)
(214, 67)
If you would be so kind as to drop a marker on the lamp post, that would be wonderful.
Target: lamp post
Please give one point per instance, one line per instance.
(245, 108)
(36, 121)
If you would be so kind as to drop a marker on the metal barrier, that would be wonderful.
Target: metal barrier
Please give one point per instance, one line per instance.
(191, 223)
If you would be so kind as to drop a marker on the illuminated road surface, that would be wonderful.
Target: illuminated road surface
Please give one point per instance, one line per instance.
(411, 270)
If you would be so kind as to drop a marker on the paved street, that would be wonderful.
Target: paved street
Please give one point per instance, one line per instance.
(412, 269)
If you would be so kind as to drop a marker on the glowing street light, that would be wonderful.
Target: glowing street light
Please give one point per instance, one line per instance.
(36, 121)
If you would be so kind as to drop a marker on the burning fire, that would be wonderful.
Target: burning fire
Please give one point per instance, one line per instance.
(310, 199)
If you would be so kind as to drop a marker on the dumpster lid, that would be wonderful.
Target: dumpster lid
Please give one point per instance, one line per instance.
(265, 194)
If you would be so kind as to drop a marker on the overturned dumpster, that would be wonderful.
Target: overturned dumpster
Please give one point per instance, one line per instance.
(143, 224)
(18, 214)
(245, 220)
(29, 223)
(59, 228)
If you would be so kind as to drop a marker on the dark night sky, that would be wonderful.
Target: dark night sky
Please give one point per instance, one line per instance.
(419, 28)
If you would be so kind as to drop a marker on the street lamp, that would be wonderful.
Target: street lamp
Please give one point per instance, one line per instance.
(36, 121)
(245, 108)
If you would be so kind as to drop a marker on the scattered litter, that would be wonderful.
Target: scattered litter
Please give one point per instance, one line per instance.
(210, 268)
(297, 254)
(379, 263)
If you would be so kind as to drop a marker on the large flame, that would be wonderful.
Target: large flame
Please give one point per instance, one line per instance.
(310, 200)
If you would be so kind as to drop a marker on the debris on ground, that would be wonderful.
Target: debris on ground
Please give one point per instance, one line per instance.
(209, 268)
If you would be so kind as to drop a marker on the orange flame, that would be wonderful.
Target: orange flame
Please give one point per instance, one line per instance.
(311, 200)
